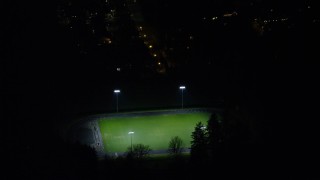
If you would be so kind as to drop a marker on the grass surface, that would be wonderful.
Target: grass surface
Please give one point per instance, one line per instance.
(155, 130)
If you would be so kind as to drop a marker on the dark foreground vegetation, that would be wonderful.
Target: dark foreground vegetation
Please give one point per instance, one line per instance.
(222, 150)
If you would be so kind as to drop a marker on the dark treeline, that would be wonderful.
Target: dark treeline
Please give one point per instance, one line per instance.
(52, 159)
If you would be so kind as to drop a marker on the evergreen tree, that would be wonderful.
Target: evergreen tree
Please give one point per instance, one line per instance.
(199, 143)
(215, 136)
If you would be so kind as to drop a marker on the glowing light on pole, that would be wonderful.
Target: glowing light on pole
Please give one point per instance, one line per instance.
(117, 91)
(182, 88)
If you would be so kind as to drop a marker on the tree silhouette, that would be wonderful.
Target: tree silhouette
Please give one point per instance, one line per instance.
(215, 135)
(199, 143)
(138, 151)
(175, 146)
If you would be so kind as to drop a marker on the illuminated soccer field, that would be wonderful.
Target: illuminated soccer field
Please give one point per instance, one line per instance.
(153, 130)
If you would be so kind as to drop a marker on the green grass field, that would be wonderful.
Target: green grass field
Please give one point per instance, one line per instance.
(154, 130)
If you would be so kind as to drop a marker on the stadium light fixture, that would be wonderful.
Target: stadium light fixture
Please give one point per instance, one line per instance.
(131, 133)
(117, 91)
(182, 88)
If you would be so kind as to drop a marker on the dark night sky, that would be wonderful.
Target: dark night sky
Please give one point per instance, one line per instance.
(274, 76)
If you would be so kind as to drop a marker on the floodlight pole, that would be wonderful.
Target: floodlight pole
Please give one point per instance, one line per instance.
(182, 99)
(131, 133)
(117, 91)
(117, 103)
(182, 88)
